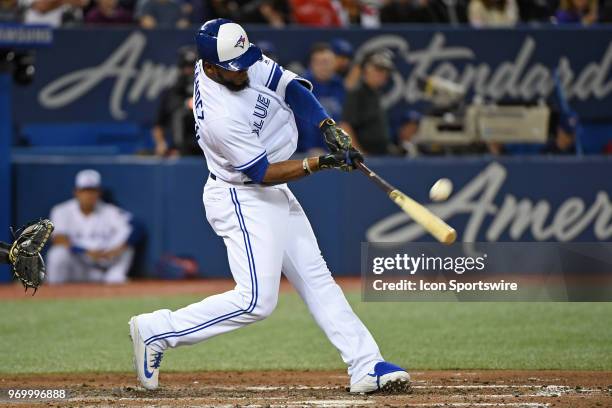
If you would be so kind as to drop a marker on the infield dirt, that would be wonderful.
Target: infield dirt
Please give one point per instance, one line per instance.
(528, 389)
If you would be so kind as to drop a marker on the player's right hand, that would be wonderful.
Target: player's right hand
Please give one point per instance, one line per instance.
(161, 148)
(335, 137)
(96, 255)
(345, 160)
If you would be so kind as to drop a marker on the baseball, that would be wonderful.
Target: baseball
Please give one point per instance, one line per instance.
(441, 190)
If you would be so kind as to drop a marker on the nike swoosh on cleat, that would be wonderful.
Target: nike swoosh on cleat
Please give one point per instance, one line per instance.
(146, 372)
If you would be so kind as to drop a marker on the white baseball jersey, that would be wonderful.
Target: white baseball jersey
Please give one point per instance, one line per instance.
(105, 228)
(236, 129)
(264, 228)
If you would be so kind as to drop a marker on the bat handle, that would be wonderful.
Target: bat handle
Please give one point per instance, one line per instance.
(386, 187)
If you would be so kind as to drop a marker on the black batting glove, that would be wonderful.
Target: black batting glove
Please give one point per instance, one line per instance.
(355, 156)
(335, 137)
(345, 160)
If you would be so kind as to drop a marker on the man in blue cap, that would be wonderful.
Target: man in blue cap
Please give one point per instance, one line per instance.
(329, 91)
(245, 106)
(345, 68)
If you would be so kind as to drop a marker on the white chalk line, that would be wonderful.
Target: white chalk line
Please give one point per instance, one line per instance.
(554, 390)
(474, 386)
(318, 403)
(345, 403)
(306, 387)
(484, 404)
(335, 402)
(542, 391)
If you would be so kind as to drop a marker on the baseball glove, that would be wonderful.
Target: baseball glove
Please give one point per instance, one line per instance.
(24, 255)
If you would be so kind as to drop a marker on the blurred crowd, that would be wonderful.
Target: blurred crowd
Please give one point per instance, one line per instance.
(350, 88)
(314, 13)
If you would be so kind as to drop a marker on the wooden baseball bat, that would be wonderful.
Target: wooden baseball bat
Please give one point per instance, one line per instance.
(429, 221)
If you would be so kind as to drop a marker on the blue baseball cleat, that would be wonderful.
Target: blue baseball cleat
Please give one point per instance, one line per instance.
(146, 360)
(386, 377)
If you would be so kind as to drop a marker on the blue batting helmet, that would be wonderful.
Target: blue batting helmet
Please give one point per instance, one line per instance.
(225, 44)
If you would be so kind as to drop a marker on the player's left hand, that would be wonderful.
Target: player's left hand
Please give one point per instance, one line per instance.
(24, 255)
(335, 137)
(345, 160)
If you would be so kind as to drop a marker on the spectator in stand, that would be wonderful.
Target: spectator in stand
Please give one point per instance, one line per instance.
(364, 117)
(108, 12)
(194, 11)
(328, 89)
(162, 14)
(275, 13)
(395, 11)
(536, 10)
(174, 116)
(564, 139)
(605, 11)
(344, 55)
(9, 11)
(453, 11)
(345, 68)
(315, 13)
(413, 11)
(221, 9)
(350, 12)
(272, 12)
(364, 13)
(493, 13)
(54, 13)
(408, 130)
(577, 12)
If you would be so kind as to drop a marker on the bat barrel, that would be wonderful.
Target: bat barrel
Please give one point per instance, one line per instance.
(421, 215)
(428, 220)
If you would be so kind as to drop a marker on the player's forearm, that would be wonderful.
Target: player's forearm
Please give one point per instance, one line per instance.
(63, 240)
(289, 170)
(114, 252)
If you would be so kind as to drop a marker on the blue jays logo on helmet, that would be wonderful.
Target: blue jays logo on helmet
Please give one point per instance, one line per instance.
(240, 42)
(225, 44)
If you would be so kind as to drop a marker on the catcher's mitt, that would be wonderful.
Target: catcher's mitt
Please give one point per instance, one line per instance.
(24, 254)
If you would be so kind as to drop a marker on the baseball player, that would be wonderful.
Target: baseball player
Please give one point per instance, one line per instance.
(90, 241)
(245, 106)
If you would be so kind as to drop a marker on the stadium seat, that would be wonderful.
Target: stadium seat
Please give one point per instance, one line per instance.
(125, 136)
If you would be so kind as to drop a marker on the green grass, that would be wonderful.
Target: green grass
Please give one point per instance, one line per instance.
(91, 335)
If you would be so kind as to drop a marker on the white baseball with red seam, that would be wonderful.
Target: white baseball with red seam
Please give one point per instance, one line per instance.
(441, 190)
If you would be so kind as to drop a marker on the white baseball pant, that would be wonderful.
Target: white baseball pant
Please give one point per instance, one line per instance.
(64, 266)
(265, 232)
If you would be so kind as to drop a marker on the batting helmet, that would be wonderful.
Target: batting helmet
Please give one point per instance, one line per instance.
(225, 44)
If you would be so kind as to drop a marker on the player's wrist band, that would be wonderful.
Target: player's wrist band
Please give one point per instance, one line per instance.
(327, 122)
(306, 166)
